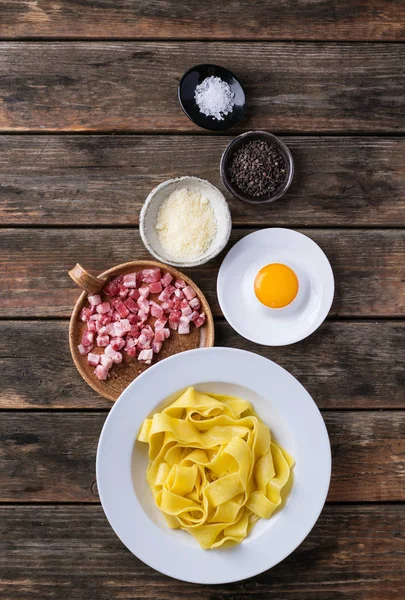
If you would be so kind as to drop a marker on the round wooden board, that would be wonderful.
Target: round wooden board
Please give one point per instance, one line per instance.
(121, 375)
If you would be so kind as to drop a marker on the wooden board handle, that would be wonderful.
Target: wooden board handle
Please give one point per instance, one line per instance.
(88, 283)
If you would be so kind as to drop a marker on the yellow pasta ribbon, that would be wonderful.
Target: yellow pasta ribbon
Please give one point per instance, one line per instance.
(214, 470)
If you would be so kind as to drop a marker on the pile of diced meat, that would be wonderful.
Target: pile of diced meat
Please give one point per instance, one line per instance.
(120, 324)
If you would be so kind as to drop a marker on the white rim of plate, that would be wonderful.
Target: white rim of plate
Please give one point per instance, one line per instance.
(183, 560)
(328, 290)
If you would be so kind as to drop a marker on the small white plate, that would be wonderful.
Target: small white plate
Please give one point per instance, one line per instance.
(253, 320)
(295, 422)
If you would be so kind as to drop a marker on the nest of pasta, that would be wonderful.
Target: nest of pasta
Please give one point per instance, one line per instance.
(214, 470)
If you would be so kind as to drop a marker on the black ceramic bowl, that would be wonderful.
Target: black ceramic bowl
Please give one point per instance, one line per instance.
(194, 77)
(273, 141)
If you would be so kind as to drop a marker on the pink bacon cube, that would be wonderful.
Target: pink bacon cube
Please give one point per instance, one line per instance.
(145, 356)
(200, 321)
(129, 280)
(160, 324)
(117, 343)
(85, 314)
(88, 338)
(115, 356)
(124, 291)
(84, 349)
(103, 308)
(131, 305)
(156, 310)
(134, 294)
(167, 293)
(143, 305)
(144, 291)
(111, 289)
(189, 292)
(155, 288)
(94, 299)
(120, 307)
(101, 372)
(194, 303)
(151, 275)
(102, 341)
(106, 361)
(184, 325)
(180, 283)
(93, 359)
(166, 279)
(156, 347)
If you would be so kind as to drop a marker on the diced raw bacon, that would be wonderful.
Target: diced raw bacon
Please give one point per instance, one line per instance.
(120, 307)
(160, 324)
(130, 347)
(162, 334)
(179, 294)
(166, 279)
(93, 359)
(134, 319)
(166, 294)
(105, 319)
(131, 305)
(189, 292)
(156, 347)
(129, 280)
(91, 326)
(155, 288)
(102, 330)
(124, 291)
(177, 303)
(167, 306)
(134, 294)
(84, 349)
(117, 329)
(195, 303)
(111, 289)
(184, 325)
(173, 325)
(148, 331)
(94, 300)
(156, 310)
(106, 361)
(98, 326)
(125, 325)
(95, 317)
(101, 372)
(117, 343)
(143, 316)
(187, 311)
(88, 338)
(86, 313)
(174, 316)
(134, 330)
(151, 275)
(200, 321)
(184, 303)
(180, 283)
(115, 356)
(116, 316)
(103, 308)
(143, 305)
(144, 291)
(194, 315)
(145, 356)
(102, 340)
(143, 342)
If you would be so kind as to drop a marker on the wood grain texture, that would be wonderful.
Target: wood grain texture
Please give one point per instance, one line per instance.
(199, 19)
(66, 552)
(344, 365)
(50, 457)
(368, 266)
(291, 87)
(103, 180)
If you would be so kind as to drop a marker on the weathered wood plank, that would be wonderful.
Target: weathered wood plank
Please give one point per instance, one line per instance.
(368, 267)
(344, 365)
(199, 19)
(103, 180)
(50, 457)
(68, 552)
(291, 87)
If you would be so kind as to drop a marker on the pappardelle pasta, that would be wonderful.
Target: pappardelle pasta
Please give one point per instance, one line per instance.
(214, 470)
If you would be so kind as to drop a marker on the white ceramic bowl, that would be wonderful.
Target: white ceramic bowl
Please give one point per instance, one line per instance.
(150, 209)
(295, 422)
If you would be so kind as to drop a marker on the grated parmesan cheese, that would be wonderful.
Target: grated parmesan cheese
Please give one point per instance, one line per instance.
(186, 224)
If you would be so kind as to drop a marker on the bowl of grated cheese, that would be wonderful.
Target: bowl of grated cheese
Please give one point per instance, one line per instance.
(185, 222)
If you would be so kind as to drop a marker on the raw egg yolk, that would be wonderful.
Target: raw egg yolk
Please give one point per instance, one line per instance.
(276, 285)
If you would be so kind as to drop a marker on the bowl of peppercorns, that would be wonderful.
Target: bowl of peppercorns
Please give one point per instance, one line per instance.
(257, 167)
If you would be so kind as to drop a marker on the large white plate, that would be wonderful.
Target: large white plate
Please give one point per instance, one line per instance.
(243, 310)
(295, 422)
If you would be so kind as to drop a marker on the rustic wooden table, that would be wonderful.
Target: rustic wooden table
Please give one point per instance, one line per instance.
(89, 123)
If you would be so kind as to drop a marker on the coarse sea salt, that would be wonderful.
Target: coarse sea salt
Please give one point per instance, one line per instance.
(214, 98)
